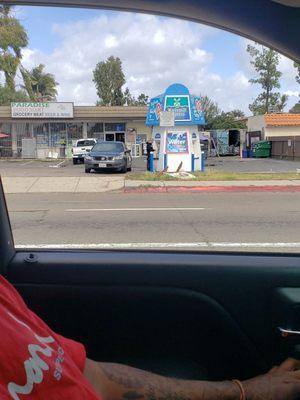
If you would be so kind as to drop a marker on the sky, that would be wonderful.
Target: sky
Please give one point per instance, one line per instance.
(155, 52)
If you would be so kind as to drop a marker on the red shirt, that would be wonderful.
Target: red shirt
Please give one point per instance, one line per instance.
(35, 362)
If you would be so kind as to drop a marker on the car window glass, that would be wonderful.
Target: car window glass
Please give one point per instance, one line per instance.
(108, 147)
(211, 122)
(89, 143)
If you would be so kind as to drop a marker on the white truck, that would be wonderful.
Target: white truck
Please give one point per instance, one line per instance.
(81, 148)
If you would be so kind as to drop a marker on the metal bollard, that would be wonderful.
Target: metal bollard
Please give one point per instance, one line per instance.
(151, 162)
(202, 161)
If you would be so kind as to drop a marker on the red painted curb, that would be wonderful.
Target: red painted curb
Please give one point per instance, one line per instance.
(212, 189)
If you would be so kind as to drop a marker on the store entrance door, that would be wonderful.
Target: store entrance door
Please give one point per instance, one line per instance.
(120, 137)
(136, 150)
(110, 137)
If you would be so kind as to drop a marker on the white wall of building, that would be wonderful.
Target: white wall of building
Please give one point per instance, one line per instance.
(256, 123)
(140, 127)
(282, 131)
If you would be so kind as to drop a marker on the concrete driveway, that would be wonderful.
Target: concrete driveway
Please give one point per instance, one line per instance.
(38, 168)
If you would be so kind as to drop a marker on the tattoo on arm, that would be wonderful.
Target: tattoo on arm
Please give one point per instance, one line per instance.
(132, 395)
(137, 384)
(123, 375)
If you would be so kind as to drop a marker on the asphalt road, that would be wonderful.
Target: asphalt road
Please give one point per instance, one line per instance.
(200, 221)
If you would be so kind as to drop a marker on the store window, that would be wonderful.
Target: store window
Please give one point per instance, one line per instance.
(5, 142)
(58, 133)
(95, 129)
(74, 132)
(115, 127)
(22, 130)
(41, 132)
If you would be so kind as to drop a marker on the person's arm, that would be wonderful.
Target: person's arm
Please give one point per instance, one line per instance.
(120, 382)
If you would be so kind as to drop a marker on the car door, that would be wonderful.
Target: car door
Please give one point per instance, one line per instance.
(188, 315)
(184, 314)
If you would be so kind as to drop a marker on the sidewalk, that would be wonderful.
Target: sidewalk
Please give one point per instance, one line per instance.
(100, 184)
(87, 184)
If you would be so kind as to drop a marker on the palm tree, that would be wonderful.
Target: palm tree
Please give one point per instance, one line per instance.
(39, 84)
(282, 102)
(5, 10)
(13, 38)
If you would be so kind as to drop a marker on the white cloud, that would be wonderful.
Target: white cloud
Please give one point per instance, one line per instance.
(292, 93)
(110, 42)
(155, 52)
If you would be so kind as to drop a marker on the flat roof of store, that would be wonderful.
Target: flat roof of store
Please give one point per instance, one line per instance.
(81, 113)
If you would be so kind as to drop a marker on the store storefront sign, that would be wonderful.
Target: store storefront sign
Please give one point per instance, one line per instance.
(180, 105)
(154, 111)
(187, 108)
(177, 143)
(42, 110)
(167, 118)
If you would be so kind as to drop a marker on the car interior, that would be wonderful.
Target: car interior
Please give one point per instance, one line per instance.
(184, 314)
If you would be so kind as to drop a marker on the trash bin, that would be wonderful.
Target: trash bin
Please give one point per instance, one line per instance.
(244, 154)
(262, 149)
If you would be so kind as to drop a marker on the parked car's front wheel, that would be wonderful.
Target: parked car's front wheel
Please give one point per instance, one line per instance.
(75, 161)
(87, 170)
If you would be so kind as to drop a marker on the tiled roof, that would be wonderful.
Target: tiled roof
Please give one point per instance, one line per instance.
(282, 119)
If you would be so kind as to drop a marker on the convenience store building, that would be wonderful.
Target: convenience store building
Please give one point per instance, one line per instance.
(42, 130)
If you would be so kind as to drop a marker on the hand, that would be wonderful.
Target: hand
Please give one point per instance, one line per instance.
(280, 383)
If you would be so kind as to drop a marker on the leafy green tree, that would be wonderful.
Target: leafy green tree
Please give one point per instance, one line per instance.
(7, 95)
(142, 100)
(211, 110)
(217, 119)
(109, 79)
(237, 114)
(229, 120)
(297, 66)
(295, 109)
(281, 102)
(13, 38)
(129, 100)
(5, 10)
(39, 85)
(265, 62)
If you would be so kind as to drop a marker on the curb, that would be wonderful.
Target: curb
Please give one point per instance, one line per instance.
(211, 189)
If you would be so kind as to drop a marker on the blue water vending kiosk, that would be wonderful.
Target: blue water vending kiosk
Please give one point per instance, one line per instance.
(178, 140)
